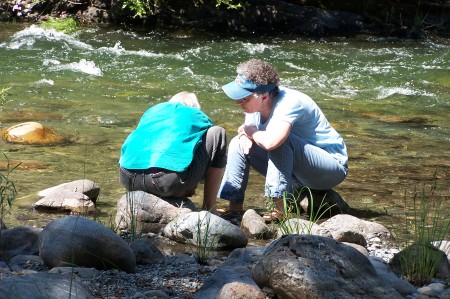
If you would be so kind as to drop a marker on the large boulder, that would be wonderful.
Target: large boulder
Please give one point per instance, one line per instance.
(79, 241)
(308, 266)
(204, 229)
(144, 212)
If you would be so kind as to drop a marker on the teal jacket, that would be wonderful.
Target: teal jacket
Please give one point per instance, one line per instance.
(166, 137)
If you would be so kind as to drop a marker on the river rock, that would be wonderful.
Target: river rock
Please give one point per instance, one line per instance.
(349, 223)
(31, 133)
(84, 186)
(254, 225)
(204, 229)
(65, 201)
(308, 266)
(20, 240)
(43, 285)
(80, 241)
(226, 283)
(144, 212)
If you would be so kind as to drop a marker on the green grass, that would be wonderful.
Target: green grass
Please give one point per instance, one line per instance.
(292, 210)
(426, 225)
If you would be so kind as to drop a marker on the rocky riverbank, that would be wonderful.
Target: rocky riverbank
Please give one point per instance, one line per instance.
(262, 17)
(343, 256)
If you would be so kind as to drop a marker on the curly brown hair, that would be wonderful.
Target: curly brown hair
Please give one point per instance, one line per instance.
(259, 72)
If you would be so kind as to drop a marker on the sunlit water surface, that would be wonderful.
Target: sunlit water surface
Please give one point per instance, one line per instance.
(390, 100)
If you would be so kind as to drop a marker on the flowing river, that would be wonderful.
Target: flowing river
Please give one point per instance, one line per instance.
(389, 99)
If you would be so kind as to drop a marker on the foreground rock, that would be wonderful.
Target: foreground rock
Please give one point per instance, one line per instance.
(307, 266)
(78, 241)
(205, 229)
(44, 285)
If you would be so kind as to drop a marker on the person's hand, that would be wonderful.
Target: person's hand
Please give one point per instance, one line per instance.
(245, 143)
(245, 140)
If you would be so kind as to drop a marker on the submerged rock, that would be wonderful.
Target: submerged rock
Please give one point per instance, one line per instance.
(31, 133)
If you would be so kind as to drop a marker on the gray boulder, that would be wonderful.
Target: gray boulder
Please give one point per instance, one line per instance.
(84, 186)
(145, 212)
(351, 223)
(76, 196)
(79, 241)
(43, 286)
(204, 229)
(20, 240)
(308, 266)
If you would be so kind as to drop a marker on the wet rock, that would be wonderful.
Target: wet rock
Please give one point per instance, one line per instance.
(83, 242)
(31, 133)
(144, 212)
(65, 201)
(206, 230)
(77, 196)
(84, 186)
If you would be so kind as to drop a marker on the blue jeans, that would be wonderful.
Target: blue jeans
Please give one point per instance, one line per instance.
(293, 165)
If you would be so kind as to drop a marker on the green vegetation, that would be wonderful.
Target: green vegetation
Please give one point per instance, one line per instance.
(66, 25)
(3, 93)
(427, 224)
(143, 8)
(8, 193)
(292, 223)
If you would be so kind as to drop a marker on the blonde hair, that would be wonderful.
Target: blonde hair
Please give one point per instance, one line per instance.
(186, 98)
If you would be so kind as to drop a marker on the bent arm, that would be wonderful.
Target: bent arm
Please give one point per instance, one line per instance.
(275, 134)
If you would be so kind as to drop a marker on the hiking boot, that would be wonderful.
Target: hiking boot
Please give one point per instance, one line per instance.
(328, 201)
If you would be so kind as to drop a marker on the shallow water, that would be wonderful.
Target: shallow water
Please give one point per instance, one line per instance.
(389, 98)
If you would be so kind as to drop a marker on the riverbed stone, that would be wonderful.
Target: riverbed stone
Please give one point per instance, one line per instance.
(144, 212)
(19, 240)
(65, 201)
(349, 223)
(205, 229)
(80, 241)
(43, 285)
(31, 133)
(308, 266)
(146, 253)
(254, 225)
(87, 187)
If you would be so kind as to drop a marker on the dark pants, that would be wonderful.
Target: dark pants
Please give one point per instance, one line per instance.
(211, 152)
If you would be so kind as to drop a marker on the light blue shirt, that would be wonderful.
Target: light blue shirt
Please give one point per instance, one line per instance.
(166, 137)
(307, 120)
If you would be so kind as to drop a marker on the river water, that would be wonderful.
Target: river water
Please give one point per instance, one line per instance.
(389, 99)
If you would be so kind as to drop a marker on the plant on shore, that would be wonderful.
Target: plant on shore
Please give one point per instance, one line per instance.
(67, 25)
(292, 213)
(8, 193)
(3, 92)
(143, 8)
(426, 225)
